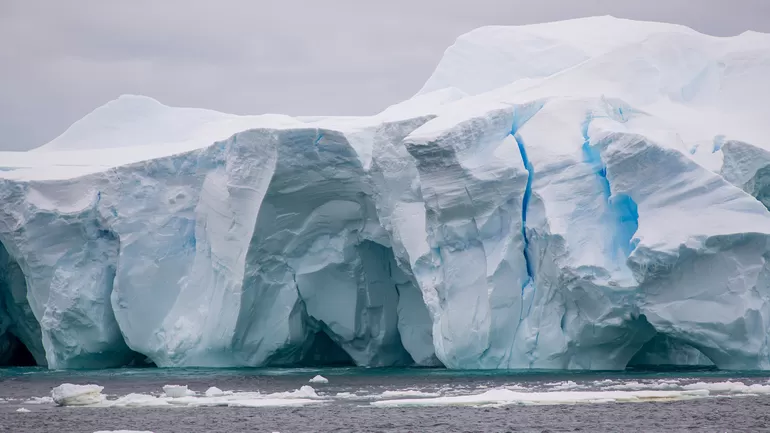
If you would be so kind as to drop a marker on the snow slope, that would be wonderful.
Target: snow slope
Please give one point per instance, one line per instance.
(556, 196)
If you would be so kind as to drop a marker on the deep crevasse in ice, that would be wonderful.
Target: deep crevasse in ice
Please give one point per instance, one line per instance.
(552, 198)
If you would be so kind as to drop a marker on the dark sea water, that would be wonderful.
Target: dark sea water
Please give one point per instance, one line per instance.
(352, 401)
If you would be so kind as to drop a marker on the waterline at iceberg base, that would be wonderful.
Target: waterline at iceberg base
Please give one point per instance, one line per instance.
(574, 195)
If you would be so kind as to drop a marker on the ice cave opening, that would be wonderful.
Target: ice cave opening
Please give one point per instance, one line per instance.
(324, 352)
(18, 328)
(355, 304)
(15, 353)
(668, 353)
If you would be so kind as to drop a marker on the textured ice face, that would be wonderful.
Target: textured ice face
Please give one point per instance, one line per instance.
(566, 195)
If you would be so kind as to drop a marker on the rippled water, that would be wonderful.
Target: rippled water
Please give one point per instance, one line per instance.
(391, 400)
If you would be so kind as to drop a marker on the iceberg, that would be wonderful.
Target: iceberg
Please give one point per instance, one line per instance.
(582, 194)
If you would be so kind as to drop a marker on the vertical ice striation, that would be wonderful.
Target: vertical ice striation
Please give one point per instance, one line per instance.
(472, 182)
(579, 316)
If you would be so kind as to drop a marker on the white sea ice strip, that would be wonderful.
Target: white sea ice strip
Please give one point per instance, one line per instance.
(504, 397)
(303, 396)
(68, 394)
(273, 402)
(246, 399)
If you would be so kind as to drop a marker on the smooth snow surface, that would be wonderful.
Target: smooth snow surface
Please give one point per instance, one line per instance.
(573, 195)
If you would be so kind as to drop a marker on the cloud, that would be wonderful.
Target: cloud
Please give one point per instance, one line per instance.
(60, 60)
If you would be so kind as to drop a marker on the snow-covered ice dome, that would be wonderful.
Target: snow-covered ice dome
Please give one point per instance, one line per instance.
(573, 195)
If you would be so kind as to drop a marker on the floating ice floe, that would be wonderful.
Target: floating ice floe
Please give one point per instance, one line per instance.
(123, 431)
(68, 394)
(176, 391)
(730, 387)
(408, 393)
(558, 393)
(319, 379)
(633, 385)
(39, 400)
(216, 392)
(139, 400)
(23, 410)
(181, 396)
(505, 396)
(563, 386)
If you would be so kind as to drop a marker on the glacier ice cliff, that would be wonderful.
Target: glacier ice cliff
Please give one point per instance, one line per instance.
(586, 194)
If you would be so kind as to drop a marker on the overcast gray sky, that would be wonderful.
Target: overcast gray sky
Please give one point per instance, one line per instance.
(61, 59)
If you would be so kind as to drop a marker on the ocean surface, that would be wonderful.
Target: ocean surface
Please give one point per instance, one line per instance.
(389, 400)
